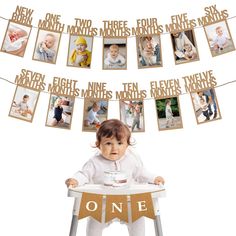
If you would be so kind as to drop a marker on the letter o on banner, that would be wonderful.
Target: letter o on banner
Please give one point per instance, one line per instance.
(91, 205)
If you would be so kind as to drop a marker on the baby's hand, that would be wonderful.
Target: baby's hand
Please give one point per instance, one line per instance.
(85, 57)
(71, 183)
(159, 180)
(44, 46)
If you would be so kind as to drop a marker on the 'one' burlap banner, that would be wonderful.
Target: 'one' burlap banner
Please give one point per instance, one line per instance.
(116, 206)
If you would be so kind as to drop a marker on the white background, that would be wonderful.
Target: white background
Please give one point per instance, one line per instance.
(196, 161)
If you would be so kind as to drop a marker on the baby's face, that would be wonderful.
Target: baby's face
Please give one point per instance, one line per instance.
(219, 31)
(81, 47)
(137, 107)
(49, 41)
(26, 99)
(97, 108)
(176, 35)
(187, 48)
(149, 44)
(113, 149)
(16, 35)
(114, 53)
(59, 102)
(200, 94)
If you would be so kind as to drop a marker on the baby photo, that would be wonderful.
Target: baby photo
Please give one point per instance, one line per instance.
(132, 114)
(219, 38)
(46, 46)
(24, 104)
(16, 39)
(184, 46)
(80, 51)
(149, 51)
(114, 53)
(205, 106)
(168, 113)
(60, 111)
(95, 112)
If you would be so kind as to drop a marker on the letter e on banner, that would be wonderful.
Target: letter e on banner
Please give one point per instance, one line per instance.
(141, 205)
(91, 205)
(116, 207)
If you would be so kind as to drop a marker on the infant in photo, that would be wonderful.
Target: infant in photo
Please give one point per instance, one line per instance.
(45, 50)
(22, 107)
(92, 116)
(147, 50)
(189, 53)
(80, 56)
(114, 59)
(15, 40)
(220, 41)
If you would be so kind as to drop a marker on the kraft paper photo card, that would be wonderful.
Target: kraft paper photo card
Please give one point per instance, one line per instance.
(219, 38)
(205, 106)
(115, 53)
(132, 114)
(80, 51)
(149, 51)
(184, 46)
(46, 46)
(60, 111)
(16, 39)
(24, 103)
(95, 112)
(168, 113)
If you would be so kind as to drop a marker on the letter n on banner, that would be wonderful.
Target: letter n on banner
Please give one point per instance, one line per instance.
(91, 205)
(141, 205)
(116, 207)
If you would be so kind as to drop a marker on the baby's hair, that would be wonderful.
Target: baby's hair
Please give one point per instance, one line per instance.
(219, 27)
(149, 38)
(26, 96)
(51, 35)
(56, 101)
(95, 104)
(113, 128)
(168, 100)
(114, 46)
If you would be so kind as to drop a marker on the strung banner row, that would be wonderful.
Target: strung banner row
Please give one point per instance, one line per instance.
(63, 92)
(116, 206)
(115, 33)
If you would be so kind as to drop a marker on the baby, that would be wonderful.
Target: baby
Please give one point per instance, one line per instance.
(170, 121)
(81, 56)
(45, 51)
(23, 107)
(136, 117)
(204, 107)
(16, 34)
(220, 41)
(58, 111)
(189, 54)
(92, 117)
(113, 141)
(15, 40)
(114, 59)
(147, 50)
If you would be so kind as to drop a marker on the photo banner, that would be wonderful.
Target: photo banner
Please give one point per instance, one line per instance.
(131, 98)
(116, 206)
(115, 33)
